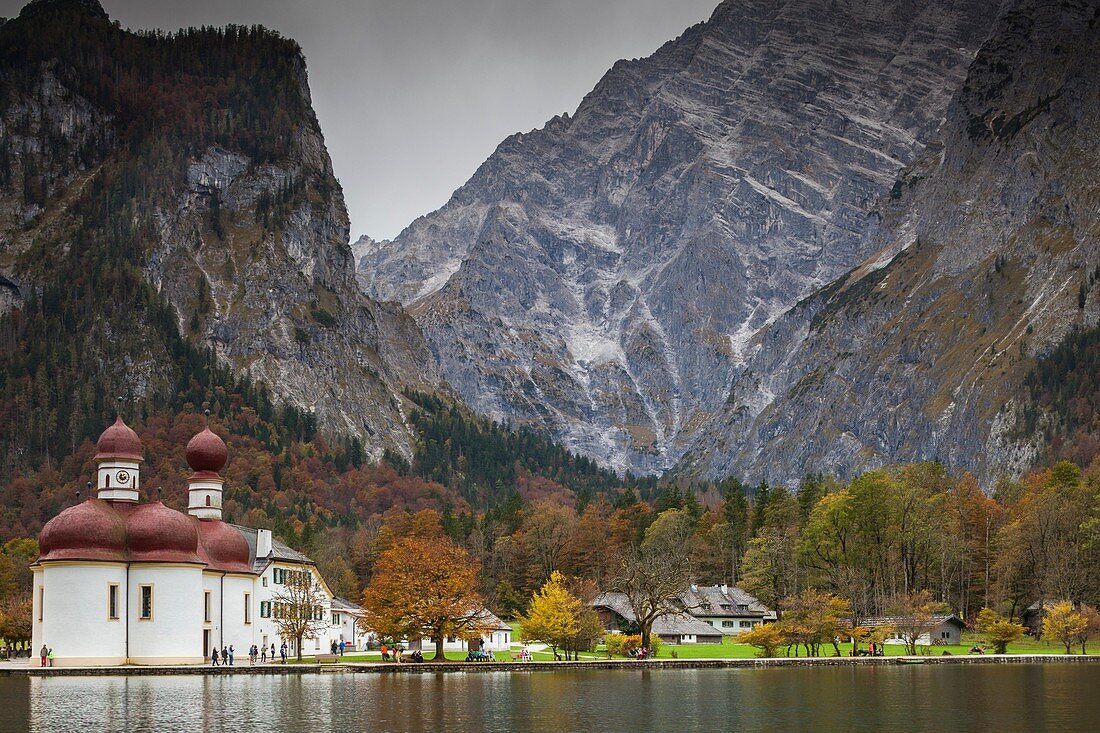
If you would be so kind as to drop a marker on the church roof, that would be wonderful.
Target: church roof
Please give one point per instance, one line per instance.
(99, 530)
(119, 441)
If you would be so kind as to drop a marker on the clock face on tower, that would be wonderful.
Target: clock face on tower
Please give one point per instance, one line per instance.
(122, 477)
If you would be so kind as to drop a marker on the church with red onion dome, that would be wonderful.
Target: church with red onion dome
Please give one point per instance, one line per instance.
(121, 579)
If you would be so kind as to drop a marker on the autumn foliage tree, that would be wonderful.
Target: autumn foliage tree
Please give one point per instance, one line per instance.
(916, 614)
(1063, 623)
(813, 619)
(998, 630)
(425, 587)
(765, 637)
(554, 616)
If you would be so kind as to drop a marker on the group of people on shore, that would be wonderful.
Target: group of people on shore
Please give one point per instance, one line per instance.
(255, 654)
(397, 654)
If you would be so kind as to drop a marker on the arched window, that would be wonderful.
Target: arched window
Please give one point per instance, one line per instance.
(108, 481)
(208, 500)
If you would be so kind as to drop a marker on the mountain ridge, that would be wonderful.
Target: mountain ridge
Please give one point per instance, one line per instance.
(601, 277)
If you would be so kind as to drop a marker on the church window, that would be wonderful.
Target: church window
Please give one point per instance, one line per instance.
(146, 605)
(112, 601)
(41, 601)
(206, 606)
(208, 500)
(248, 608)
(108, 481)
(265, 609)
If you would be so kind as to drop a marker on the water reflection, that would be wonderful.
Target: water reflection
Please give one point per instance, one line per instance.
(956, 698)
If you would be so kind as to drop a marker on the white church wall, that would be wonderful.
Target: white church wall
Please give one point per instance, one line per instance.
(72, 600)
(173, 633)
(237, 631)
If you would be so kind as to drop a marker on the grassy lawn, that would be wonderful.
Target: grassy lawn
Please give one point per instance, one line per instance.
(728, 649)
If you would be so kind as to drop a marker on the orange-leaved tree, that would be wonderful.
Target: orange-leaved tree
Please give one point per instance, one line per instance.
(423, 587)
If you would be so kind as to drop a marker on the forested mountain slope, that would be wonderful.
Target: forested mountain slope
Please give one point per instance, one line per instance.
(167, 203)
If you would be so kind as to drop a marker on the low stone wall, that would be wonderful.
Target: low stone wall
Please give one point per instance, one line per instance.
(475, 667)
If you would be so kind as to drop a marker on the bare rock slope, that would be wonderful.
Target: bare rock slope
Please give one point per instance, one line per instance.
(604, 277)
(986, 255)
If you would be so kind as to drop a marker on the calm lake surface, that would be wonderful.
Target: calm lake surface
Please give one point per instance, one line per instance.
(1038, 697)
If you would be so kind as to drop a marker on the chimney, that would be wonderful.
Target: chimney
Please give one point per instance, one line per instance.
(263, 543)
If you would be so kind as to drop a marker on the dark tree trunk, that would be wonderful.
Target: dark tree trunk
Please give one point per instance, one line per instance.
(439, 656)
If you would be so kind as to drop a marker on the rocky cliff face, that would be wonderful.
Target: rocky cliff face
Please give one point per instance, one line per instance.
(986, 254)
(604, 276)
(246, 238)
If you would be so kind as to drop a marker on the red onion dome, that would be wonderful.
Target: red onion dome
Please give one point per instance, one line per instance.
(223, 547)
(206, 452)
(92, 530)
(156, 533)
(119, 441)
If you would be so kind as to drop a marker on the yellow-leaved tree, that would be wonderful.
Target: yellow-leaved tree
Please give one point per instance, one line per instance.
(1061, 622)
(553, 616)
(998, 630)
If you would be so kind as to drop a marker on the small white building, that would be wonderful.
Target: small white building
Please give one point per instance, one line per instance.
(939, 630)
(347, 618)
(496, 638)
(122, 581)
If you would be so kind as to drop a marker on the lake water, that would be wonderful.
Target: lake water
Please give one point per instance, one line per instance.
(1031, 697)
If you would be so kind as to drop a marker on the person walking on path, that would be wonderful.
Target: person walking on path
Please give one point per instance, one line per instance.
(214, 657)
(273, 652)
(225, 657)
(263, 654)
(282, 652)
(44, 653)
(342, 647)
(49, 658)
(385, 653)
(230, 655)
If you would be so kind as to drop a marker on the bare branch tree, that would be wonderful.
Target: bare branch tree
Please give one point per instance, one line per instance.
(297, 609)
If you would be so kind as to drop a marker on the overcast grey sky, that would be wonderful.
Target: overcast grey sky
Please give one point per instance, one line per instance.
(414, 94)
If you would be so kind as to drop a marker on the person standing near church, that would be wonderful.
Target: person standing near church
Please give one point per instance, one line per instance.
(44, 653)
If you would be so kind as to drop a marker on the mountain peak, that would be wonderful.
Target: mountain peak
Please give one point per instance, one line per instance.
(39, 7)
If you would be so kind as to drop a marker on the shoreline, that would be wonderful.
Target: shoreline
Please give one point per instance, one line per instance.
(526, 667)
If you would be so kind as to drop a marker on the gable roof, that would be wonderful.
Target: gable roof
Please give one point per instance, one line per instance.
(722, 600)
(671, 623)
(937, 619)
(343, 604)
(493, 621)
(279, 551)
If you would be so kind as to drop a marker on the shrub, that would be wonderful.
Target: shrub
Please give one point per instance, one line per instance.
(998, 630)
(615, 645)
(765, 637)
